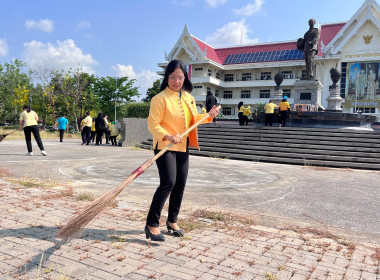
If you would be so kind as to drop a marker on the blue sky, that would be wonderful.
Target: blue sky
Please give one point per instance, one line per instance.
(117, 38)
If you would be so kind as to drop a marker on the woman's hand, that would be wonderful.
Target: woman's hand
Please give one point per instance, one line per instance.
(214, 112)
(173, 138)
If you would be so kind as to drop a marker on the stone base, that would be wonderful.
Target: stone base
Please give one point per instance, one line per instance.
(133, 131)
(334, 100)
(308, 88)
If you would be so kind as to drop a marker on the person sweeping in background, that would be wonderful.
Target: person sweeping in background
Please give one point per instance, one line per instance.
(29, 121)
(172, 111)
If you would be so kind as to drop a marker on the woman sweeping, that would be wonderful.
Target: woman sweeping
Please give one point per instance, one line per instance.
(28, 120)
(172, 111)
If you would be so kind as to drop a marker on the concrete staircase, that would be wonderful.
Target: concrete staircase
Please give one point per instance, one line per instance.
(344, 148)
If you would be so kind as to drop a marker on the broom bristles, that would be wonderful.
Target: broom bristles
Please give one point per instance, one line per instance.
(86, 215)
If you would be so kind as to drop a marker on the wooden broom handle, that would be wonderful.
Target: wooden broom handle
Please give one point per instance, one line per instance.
(182, 135)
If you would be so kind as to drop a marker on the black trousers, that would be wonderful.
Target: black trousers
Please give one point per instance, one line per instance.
(245, 120)
(283, 117)
(86, 132)
(173, 168)
(28, 130)
(99, 135)
(241, 121)
(61, 133)
(113, 140)
(107, 135)
(269, 119)
(92, 137)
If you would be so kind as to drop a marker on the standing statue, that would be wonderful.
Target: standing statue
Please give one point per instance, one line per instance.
(371, 85)
(360, 84)
(309, 45)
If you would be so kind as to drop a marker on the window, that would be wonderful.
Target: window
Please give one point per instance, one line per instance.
(217, 75)
(305, 96)
(286, 92)
(228, 77)
(264, 93)
(303, 73)
(266, 75)
(287, 74)
(216, 93)
(198, 87)
(365, 110)
(245, 94)
(227, 111)
(198, 69)
(246, 76)
(227, 94)
(209, 72)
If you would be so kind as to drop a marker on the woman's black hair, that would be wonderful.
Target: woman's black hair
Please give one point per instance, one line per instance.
(240, 104)
(174, 64)
(100, 115)
(27, 108)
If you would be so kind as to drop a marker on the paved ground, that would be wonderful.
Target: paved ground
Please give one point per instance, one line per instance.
(250, 220)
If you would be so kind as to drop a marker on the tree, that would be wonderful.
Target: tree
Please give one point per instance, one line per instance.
(151, 92)
(15, 84)
(114, 92)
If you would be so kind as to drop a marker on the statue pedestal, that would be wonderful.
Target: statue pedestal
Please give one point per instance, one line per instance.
(308, 92)
(334, 100)
(277, 96)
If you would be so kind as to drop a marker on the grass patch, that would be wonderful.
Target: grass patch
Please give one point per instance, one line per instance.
(85, 197)
(33, 182)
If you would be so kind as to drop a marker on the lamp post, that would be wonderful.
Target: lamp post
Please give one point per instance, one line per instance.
(30, 100)
(115, 99)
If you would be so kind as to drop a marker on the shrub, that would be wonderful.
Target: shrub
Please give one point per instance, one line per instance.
(137, 110)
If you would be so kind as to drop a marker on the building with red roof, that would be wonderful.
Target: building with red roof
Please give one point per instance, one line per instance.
(246, 73)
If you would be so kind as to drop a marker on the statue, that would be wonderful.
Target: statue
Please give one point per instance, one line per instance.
(335, 77)
(309, 45)
(371, 85)
(360, 84)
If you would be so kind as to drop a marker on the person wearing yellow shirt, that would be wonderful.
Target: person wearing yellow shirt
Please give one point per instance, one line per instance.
(203, 109)
(269, 112)
(240, 113)
(246, 114)
(113, 133)
(86, 129)
(29, 122)
(93, 131)
(284, 111)
(172, 111)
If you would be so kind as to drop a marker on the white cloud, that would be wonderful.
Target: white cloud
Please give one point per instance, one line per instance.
(3, 47)
(45, 25)
(249, 9)
(63, 55)
(231, 34)
(144, 79)
(215, 3)
(83, 24)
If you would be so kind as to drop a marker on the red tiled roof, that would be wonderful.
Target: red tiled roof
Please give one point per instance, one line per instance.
(210, 53)
(328, 32)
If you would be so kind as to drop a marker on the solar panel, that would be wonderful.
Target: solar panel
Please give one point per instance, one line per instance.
(264, 56)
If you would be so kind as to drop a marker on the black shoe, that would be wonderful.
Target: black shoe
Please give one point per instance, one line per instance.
(83, 143)
(176, 232)
(88, 143)
(153, 237)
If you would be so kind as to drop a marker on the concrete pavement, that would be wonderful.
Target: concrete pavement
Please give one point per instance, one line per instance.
(251, 220)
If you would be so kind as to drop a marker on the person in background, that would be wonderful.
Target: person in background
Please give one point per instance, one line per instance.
(284, 111)
(106, 128)
(240, 114)
(203, 109)
(63, 125)
(172, 111)
(93, 131)
(29, 121)
(86, 129)
(113, 133)
(99, 127)
(210, 103)
(269, 112)
(246, 114)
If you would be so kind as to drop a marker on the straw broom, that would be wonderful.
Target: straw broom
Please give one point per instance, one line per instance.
(2, 136)
(76, 224)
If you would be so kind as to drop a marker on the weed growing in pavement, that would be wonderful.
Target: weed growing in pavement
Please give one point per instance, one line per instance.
(84, 196)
